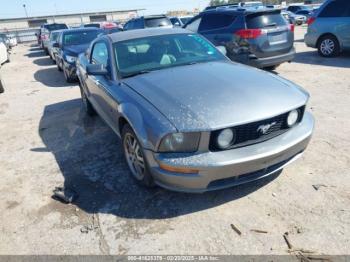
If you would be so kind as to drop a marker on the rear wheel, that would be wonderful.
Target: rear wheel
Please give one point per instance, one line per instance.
(328, 46)
(134, 155)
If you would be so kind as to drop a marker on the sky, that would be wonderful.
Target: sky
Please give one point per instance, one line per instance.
(14, 8)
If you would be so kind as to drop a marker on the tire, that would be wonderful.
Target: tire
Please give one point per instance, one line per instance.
(88, 108)
(58, 65)
(134, 157)
(2, 90)
(68, 78)
(8, 58)
(328, 46)
(271, 68)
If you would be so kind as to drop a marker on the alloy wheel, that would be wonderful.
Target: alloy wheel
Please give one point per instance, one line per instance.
(134, 156)
(327, 47)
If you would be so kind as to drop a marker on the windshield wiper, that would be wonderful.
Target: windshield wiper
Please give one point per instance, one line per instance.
(136, 73)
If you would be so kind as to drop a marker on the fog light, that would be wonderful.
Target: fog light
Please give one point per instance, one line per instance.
(293, 118)
(226, 138)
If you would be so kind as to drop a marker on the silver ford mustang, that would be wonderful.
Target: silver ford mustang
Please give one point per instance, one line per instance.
(190, 119)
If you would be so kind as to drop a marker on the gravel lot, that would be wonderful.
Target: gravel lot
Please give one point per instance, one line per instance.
(46, 141)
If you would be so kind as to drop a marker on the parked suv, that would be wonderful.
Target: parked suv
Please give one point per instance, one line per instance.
(44, 34)
(147, 22)
(260, 38)
(329, 28)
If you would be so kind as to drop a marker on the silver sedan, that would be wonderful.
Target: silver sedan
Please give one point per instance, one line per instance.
(189, 118)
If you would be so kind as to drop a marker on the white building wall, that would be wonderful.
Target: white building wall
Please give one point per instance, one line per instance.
(72, 20)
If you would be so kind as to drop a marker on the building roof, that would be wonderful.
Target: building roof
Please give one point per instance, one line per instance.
(72, 14)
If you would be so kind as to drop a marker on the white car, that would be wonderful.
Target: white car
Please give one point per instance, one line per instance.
(1, 86)
(4, 55)
(12, 41)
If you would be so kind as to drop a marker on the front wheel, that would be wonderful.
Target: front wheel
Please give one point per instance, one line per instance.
(2, 90)
(58, 65)
(134, 155)
(328, 46)
(89, 109)
(68, 78)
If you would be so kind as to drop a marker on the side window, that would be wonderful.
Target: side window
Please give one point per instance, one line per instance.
(100, 54)
(138, 24)
(130, 25)
(336, 8)
(216, 21)
(194, 25)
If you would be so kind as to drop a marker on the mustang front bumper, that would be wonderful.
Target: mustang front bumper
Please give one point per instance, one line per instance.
(232, 167)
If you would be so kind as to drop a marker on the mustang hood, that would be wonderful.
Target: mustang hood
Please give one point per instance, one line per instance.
(76, 49)
(214, 95)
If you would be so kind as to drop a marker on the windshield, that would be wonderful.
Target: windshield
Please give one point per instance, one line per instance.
(184, 20)
(165, 51)
(54, 27)
(80, 37)
(54, 36)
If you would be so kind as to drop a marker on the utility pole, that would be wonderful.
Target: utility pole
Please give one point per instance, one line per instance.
(25, 10)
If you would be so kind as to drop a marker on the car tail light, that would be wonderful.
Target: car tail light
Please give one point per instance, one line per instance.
(311, 20)
(249, 33)
(291, 27)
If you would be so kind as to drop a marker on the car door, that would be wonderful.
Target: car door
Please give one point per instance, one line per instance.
(3, 53)
(102, 87)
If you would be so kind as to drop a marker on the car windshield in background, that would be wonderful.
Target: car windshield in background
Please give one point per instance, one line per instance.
(80, 38)
(157, 22)
(92, 25)
(54, 27)
(142, 55)
(184, 20)
(54, 36)
(263, 20)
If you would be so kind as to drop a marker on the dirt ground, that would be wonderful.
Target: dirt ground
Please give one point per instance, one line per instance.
(46, 141)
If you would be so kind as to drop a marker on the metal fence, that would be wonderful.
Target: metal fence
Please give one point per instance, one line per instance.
(24, 35)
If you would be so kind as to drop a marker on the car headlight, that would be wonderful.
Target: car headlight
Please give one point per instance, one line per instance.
(180, 142)
(226, 138)
(71, 59)
(293, 118)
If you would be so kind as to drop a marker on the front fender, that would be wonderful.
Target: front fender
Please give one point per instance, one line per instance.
(135, 119)
(148, 124)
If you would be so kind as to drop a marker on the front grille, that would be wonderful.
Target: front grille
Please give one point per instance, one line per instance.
(250, 134)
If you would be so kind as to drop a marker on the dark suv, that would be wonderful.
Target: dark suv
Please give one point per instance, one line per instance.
(260, 38)
(147, 22)
(44, 35)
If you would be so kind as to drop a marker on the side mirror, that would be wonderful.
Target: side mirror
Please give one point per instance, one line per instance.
(222, 49)
(97, 70)
(56, 45)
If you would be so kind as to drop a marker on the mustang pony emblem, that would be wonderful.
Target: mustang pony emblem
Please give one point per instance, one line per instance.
(263, 129)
